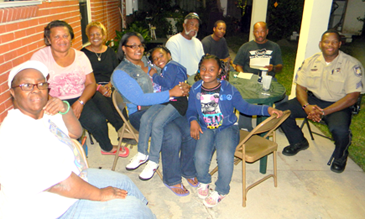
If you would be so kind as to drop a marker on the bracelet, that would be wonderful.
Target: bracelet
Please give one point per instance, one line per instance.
(80, 101)
(305, 105)
(97, 89)
(68, 108)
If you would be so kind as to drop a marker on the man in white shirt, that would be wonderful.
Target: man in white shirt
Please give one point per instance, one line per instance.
(185, 48)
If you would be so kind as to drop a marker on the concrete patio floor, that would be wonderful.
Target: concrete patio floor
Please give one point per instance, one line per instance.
(307, 188)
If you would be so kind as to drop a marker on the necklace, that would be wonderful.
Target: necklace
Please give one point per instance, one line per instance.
(99, 56)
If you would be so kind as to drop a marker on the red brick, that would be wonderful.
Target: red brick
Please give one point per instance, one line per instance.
(9, 56)
(11, 27)
(5, 16)
(7, 37)
(6, 67)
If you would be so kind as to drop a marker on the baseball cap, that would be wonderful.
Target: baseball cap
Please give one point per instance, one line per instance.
(26, 65)
(193, 15)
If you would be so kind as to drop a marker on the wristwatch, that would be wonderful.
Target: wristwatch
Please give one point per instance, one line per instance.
(80, 101)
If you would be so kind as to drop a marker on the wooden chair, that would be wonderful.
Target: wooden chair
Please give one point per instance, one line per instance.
(78, 146)
(127, 130)
(252, 147)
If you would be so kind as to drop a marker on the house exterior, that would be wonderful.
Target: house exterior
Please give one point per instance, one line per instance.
(22, 25)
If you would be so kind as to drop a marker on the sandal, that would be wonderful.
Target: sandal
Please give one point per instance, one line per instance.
(178, 187)
(121, 153)
(193, 180)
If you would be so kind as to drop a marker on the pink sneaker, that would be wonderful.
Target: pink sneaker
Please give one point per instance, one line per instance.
(213, 199)
(203, 190)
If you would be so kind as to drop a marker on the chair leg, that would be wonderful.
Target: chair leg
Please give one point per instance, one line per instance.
(275, 169)
(159, 174)
(91, 139)
(214, 171)
(309, 128)
(244, 191)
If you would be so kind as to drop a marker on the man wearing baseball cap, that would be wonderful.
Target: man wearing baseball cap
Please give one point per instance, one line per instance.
(185, 48)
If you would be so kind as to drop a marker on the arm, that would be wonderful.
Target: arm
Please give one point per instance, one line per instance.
(313, 111)
(89, 91)
(171, 77)
(191, 115)
(239, 68)
(133, 92)
(75, 187)
(54, 106)
(345, 102)
(246, 108)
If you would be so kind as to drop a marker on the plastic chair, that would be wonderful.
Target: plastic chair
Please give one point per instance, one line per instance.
(127, 130)
(252, 147)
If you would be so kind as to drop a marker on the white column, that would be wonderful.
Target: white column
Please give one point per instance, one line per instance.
(314, 22)
(224, 4)
(259, 10)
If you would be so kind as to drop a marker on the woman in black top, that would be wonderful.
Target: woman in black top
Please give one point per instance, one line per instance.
(103, 60)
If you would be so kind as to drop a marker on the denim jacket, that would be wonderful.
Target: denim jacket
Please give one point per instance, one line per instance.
(134, 94)
(229, 98)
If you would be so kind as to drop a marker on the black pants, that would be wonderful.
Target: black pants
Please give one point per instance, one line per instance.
(338, 123)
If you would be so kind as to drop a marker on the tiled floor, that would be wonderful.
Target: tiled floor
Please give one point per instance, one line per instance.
(306, 188)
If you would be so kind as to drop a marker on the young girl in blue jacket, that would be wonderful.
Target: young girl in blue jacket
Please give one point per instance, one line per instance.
(214, 124)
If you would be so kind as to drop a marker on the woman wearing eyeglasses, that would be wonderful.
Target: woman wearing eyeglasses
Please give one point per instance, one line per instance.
(132, 80)
(72, 79)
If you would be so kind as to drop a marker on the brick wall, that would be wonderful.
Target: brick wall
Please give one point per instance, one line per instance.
(107, 12)
(21, 33)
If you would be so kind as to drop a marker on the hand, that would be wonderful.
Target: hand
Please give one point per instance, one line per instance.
(269, 67)
(77, 107)
(195, 129)
(54, 105)
(152, 72)
(180, 90)
(314, 113)
(272, 111)
(105, 91)
(110, 193)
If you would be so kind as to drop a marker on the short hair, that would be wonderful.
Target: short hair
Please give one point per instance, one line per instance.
(332, 31)
(98, 25)
(56, 23)
(218, 22)
(124, 40)
(164, 48)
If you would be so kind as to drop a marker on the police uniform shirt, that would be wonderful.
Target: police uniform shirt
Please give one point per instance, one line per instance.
(331, 82)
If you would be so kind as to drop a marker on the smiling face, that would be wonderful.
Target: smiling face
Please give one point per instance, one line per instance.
(220, 30)
(96, 36)
(60, 39)
(30, 103)
(209, 72)
(132, 54)
(191, 28)
(160, 58)
(330, 45)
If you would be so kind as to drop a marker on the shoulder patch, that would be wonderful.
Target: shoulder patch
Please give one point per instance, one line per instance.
(357, 70)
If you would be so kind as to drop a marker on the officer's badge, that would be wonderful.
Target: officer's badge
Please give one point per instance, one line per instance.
(357, 70)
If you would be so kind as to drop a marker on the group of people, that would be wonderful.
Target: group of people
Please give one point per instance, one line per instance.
(62, 90)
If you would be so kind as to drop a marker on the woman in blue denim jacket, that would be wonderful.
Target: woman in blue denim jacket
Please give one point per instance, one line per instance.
(132, 81)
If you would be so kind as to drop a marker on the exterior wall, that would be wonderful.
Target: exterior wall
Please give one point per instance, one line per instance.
(21, 33)
(107, 12)
(355, 9)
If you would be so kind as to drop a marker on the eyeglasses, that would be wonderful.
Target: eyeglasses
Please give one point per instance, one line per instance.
(135, 47)
(30, 87)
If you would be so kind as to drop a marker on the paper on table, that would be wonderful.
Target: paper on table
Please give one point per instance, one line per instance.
(259, 63)
(247, 76)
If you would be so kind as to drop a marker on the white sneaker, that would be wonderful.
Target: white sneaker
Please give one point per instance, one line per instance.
(137, 161)
(213, 199)
(203, 190)
(149, 170)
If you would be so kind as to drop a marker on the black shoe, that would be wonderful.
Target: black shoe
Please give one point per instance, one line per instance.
(339, 164)
(294, 149)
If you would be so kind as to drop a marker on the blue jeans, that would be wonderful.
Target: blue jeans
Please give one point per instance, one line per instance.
(224, 142)
(177, 149)
(133, 206)
(338, 123)
(153, 121)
